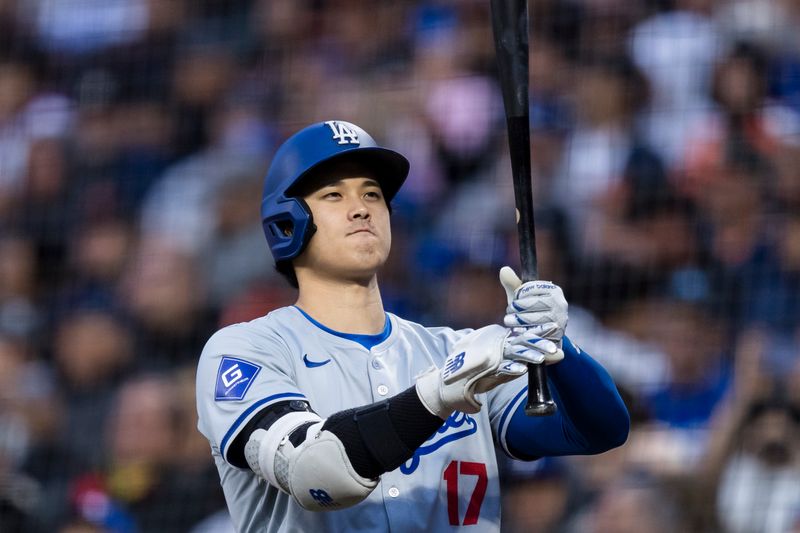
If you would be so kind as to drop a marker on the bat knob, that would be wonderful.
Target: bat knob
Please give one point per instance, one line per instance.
(541, 409)
(540, 402)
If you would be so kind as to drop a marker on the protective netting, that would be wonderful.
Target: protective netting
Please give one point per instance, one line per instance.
(134, 135)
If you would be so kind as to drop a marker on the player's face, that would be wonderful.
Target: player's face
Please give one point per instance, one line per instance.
(353, 236)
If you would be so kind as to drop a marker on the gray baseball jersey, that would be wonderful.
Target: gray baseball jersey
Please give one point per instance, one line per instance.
(451, 480)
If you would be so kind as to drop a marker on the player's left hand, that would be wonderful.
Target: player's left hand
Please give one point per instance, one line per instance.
(520, 347)
(477, 363)
(538, 306)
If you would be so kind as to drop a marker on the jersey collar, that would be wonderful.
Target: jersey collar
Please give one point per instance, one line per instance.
(367, 341)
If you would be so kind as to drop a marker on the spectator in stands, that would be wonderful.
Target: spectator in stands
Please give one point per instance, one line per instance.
(677, 48)
(698, 379)
(19, 311)
(148, 470)
(92, 349)
(536, 496)
(758, 489)
(165, 296)
(34, 467)
(23, 393)
(151, 477)
(101, 251)
(234, 258)
(775, 297)
(614, 192)
(747, 125)
(748, 476)
(743, 243)
(630, 505)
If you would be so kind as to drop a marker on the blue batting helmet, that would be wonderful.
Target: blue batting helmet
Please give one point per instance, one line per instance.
(287, 220)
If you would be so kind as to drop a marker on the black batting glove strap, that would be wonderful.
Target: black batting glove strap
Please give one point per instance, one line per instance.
(380, 437)
(297, 436)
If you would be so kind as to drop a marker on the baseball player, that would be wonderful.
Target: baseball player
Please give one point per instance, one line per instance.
(334, 415)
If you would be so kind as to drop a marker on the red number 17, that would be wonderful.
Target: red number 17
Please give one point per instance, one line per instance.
(450, 476)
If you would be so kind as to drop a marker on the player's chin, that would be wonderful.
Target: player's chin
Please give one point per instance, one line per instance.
(369, 248)
(367, 259)
(373, 260)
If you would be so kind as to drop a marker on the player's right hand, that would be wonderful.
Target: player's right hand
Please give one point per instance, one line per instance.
(479, 362)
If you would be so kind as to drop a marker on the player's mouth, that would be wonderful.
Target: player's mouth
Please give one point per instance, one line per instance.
(361, 230)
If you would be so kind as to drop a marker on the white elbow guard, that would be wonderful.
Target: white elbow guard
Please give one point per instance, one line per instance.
(317, 473)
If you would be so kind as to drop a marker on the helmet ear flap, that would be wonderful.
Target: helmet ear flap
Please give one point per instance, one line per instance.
(280, 228)
(288, 228)
(310, 228)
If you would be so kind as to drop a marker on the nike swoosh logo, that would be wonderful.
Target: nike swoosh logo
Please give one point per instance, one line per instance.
(313, 364)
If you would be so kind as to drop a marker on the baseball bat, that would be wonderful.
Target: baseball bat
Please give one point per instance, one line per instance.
(510, 25)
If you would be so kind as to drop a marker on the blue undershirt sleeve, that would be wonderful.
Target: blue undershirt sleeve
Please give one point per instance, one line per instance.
(591, 416)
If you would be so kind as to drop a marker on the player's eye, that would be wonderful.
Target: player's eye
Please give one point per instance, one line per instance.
(373, 195)
(331, 195)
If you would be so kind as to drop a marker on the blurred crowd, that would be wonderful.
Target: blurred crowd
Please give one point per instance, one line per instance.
(134, 136)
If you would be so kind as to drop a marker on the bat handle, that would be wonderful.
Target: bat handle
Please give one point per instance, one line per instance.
(540, 402)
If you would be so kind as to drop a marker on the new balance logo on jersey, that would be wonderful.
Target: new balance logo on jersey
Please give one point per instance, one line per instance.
(452, 364)
(343, 133)
(234, 377)
(322, 498)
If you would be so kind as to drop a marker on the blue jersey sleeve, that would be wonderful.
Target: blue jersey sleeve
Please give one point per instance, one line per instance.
(591, 416)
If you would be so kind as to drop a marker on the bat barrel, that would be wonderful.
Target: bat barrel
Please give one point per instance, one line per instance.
(519, 147)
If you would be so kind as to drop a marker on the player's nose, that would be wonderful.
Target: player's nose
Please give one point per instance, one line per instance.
(360, 213)
(359, 210)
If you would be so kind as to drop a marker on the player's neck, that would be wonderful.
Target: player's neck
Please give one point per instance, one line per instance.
(344, 306)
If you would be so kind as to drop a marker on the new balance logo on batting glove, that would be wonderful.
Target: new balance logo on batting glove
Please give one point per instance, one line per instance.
(538, 306)
(479, 362)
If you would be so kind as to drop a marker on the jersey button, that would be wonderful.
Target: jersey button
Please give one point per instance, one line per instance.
(383, 390)
(375, 364)
(394, 492)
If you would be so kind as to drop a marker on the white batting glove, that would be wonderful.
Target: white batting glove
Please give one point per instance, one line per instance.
(537, 306)
(479, 362)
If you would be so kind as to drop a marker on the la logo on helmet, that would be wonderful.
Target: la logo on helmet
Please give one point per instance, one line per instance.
(343, 133)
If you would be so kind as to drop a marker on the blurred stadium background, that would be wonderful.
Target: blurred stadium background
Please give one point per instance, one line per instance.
(666, 139)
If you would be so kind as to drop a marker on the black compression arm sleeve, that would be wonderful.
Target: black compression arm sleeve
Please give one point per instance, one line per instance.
(380, 437)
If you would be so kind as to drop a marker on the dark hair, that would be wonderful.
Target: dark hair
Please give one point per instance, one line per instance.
(777, 401)
(329, 171)
(756, 60)
(286, 269)
(621, 67)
